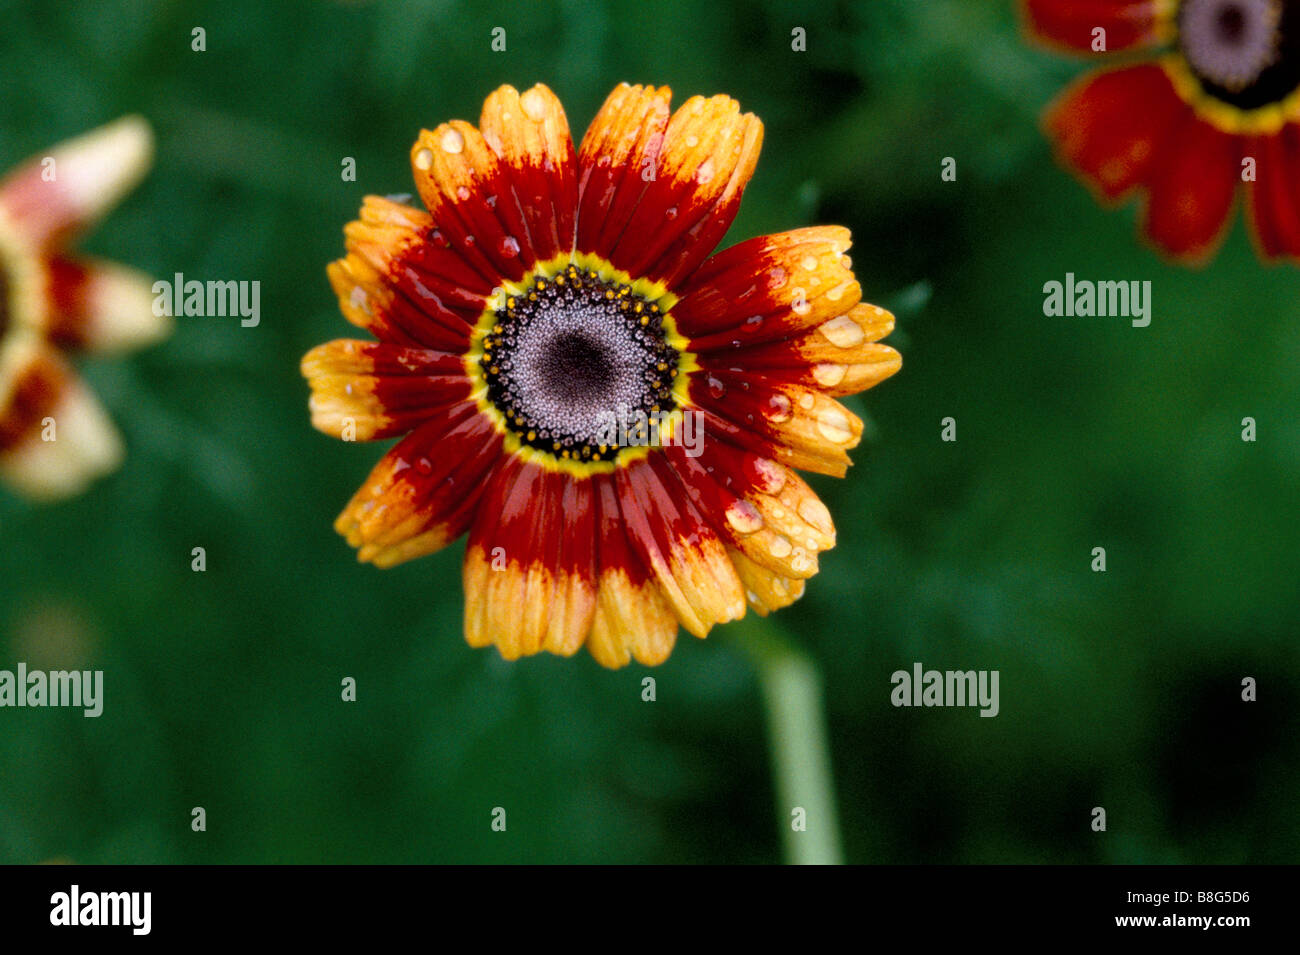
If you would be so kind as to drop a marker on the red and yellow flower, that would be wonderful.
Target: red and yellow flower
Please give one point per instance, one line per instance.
(1214, 106)
(54, 436)
(548, 290)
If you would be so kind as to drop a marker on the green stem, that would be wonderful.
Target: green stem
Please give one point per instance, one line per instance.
(791, 685)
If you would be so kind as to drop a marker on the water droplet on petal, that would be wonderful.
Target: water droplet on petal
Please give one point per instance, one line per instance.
(838, 291)
(753, 323)
(776, 278)
(534, 104)
(424, 466)
(705, 172)
(779, 547)
(670, 213)
(834, 426)
(767, 475)
(423, 158)
(716, 388)
(692, 142)
(744, 517)
(815, 513)
(806, 401)
(801, 563)
(828, 375)
(462, 193)
(843, 332)
(777, 409)
(810, 263)
(509, 246)
(452, 142)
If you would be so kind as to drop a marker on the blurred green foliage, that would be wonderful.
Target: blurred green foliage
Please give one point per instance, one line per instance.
(1119, 690)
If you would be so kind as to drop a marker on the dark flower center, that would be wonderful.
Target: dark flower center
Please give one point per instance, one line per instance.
(574, 354)
(1244, 52)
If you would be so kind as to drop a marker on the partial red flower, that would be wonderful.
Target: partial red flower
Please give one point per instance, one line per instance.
(1214, 109)
(54, 436)
(548, 298)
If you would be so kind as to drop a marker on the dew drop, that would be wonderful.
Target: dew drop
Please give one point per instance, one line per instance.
(779, 547)
(462, 193)
(705, 172)
(843, 332)
(801, 563)
(815, 513)
(777, 409)
(766, 474)
(424, 466)
(743, 517)
(810, 263)
(753, 323)
(776, 278)
(806, 401)
(534, 104)
(670, 213)
(423, 158)
(451, 141)
(716, 388)
(692, 142)
(359, 299)
(509, 246)
(834, 426)
(828, 375)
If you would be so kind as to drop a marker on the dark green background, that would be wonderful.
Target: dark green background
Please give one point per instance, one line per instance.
(1119, 690)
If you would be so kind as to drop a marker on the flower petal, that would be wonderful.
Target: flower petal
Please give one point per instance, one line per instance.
(1069, 24)
(632, 619)
(768, 288)
(53, 197)
(761, 508)
(529, 572)
(708, 155)
(1274, 197)
(401, 282)
(101, 306)
(799, 427)
(841, 356)
(617, 161)
(1108, 127)
(54, 436)
(1192, 189)
(422, 494)
(462, 182)
(765, 590)
(365, 391)
(530, 134)
(678, 545)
